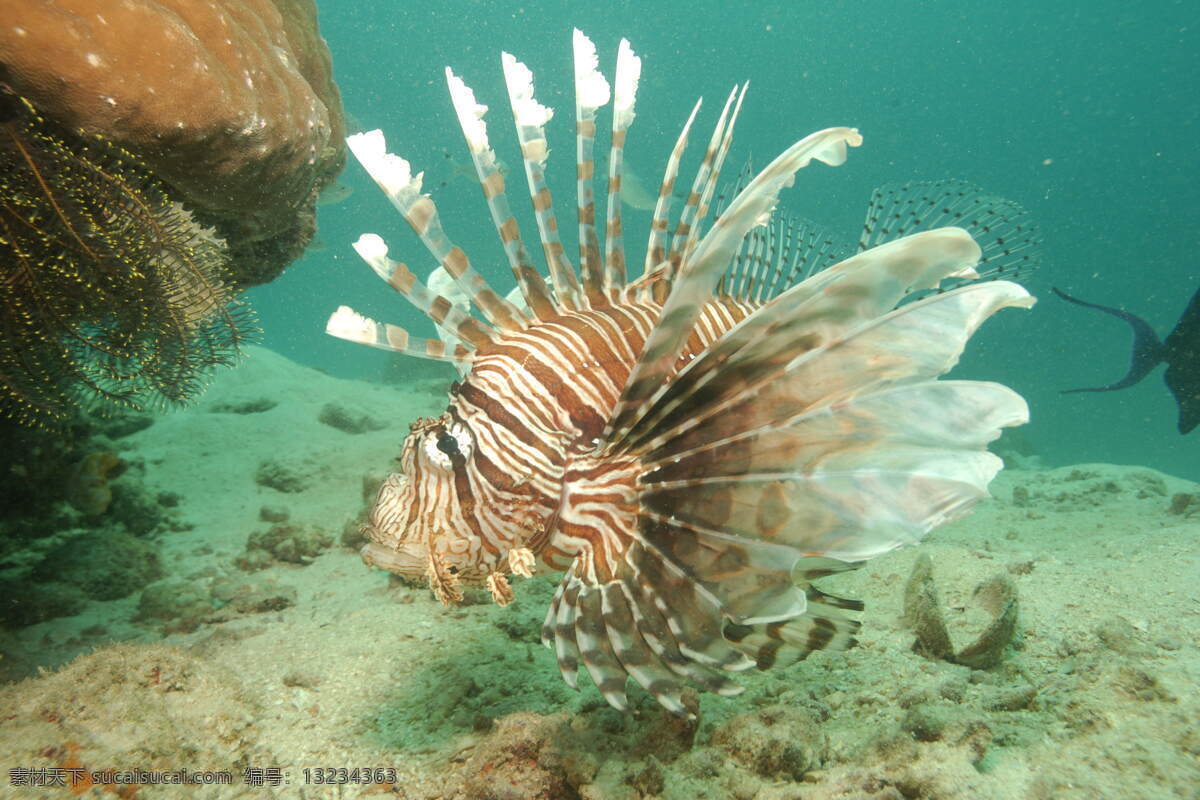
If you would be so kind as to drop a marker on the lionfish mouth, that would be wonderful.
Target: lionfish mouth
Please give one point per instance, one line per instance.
(409, 560)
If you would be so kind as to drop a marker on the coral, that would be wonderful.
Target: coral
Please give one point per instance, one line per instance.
(248, 146)
(289, 543)
(778, 742)
(520, 760)
(182, 604)
(105, 565)
(110, 293)
(88, 490)
(131, 706)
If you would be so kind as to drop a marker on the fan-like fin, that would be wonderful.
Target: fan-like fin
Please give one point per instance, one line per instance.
(1007, 234)
(530, 118)
(700, 273)
(394, 176)
(596, 649)
(916, 342)
(629, 70)
(591, 92)
(827, 624)
(622, 620)
(821, 309)
(558, 631)
(491, 180)
(453, 321)
(346, 323)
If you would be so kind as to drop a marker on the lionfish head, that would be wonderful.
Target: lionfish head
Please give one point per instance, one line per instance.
(416, 526)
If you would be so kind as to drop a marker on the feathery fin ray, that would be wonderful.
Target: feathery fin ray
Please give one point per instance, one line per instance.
(805, 433)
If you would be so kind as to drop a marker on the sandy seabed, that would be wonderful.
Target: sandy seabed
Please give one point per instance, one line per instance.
(289, 660)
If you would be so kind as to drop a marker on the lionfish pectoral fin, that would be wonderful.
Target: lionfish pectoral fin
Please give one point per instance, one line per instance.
(637, 624)
(703, 266)
(500, 589)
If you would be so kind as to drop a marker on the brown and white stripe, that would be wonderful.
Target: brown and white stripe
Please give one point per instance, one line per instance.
(696, 447)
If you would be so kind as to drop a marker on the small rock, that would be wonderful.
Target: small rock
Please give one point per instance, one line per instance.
(254, 596)
(649, 779)
(927, 723)
(273, 514)
(1019, 698)
(775, 742)
(292, 544)
(353, 535)
(174, 599)
(1141, 685)
(520, 759)
(302, 680)
(281, 478)
(335, 415)
(1121, 637)
(1183, 504)
(256, 405)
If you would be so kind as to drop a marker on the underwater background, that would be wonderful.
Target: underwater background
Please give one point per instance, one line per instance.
(1084, 113)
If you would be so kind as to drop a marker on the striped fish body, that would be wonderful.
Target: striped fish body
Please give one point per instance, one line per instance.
(539, 399)
(693, 448)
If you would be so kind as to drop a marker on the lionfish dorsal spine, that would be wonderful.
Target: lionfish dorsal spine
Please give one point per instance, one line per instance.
(394, 177)
(656, 246)
(530, 118)
(706, 264)
(714, 175)
(625, 84)
(491, 180)
(451, 320)
(592, 91)
(348, 324)
(689, 216)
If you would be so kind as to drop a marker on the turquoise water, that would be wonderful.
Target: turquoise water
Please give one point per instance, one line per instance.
(1086, 114)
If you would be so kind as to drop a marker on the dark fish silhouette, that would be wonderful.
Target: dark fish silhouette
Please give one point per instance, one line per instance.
(1180, 350)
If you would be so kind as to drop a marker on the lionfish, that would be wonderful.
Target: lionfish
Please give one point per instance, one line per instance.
(696, 445)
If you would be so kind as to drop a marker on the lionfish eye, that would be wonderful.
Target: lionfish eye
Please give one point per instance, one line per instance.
(447, 444)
